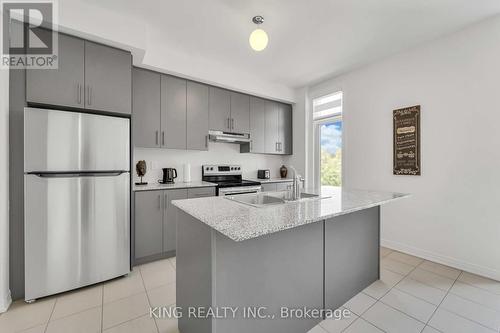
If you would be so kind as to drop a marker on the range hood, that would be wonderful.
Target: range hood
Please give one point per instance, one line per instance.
(219, 136)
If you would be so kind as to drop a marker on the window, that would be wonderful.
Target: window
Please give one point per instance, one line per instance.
(327, 120)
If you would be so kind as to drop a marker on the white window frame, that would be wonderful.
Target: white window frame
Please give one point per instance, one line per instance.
(317, 142)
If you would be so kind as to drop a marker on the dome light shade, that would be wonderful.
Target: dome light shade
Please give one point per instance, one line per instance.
(258, 39)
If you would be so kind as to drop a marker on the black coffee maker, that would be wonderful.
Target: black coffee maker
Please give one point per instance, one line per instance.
(169, 174)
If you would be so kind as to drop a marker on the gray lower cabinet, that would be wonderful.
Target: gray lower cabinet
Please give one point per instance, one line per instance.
(156, 221)
(170, 218)
(108, 78)
(279, 186)
(146, 108)
(148, 223)
(271, 187)
(197, 116)
(201, 192)
(219, 109)
(173, 112)
(240, 113)
(283, 186)
(62, 86)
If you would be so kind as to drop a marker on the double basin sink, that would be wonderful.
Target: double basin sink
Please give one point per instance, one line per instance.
(270, 198)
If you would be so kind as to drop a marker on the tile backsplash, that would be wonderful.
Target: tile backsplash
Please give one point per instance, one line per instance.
(218, 153)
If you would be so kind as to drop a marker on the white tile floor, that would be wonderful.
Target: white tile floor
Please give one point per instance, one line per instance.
(413, 295)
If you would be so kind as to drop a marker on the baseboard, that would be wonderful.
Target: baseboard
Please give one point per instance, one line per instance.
(445, 260)
(5, 302)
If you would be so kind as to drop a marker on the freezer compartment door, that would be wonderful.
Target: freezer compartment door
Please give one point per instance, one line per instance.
(77, 231)
(73, 141)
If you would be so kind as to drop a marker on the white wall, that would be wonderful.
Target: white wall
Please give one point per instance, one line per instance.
(453, 216)
(4, 190)
(218, 153)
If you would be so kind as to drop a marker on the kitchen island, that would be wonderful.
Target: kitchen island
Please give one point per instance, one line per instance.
(242, 268)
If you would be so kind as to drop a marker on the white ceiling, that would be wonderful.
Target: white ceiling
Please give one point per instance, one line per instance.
(308, 40)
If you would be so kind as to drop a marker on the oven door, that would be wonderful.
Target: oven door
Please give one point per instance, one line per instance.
(239, 190)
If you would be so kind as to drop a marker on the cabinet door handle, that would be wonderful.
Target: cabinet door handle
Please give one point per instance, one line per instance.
(156, 138)
(81, 94)
(162, 138)
(159, 201)
(89, 95)
(206, 141)
(251, 145)
(229, 123)
(232, 123)
(78, 97)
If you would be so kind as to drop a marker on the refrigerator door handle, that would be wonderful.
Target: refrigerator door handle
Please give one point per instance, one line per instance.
(77, 174)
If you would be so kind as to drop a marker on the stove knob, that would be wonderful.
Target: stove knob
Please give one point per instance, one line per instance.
(238, 168)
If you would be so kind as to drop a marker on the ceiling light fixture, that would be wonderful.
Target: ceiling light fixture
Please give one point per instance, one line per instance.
(258, 38)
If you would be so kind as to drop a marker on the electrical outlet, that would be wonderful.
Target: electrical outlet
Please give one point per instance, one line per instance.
(154, 165)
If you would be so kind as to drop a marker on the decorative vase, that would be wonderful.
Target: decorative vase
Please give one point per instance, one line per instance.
(283, 171)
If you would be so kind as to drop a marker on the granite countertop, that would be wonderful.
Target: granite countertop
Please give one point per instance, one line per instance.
(152, 186)
(240, 222)
(271, 180)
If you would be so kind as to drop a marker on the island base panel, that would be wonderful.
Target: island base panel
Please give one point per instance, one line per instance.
(319, 265)
(283, 269)
(193, 271)
(352, 260)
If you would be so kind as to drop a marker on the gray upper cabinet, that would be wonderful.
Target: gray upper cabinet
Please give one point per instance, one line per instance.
(257, 125)
(170, 218)
(89, 75)
(62, 86)
(285, 129)
(240, 113)
(146, 108)
(170, 112)
(278, 128)
(148, 223)
(197, 116)
(271, 127)
(108, 78)
(173, 112)
(219, 109)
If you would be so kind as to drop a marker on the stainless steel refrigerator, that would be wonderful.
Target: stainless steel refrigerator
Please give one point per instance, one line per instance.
(77, 200)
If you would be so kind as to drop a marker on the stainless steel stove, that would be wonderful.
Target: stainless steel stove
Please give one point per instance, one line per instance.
(229, 179)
